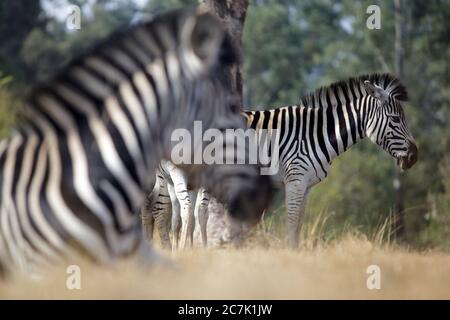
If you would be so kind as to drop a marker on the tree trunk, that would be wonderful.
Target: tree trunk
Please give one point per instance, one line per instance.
(399, 221)
(232, 13)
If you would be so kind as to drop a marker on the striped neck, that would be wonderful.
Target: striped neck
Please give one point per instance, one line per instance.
(329, 120)
(339, 121)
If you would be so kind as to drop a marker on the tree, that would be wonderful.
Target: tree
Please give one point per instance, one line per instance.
(399, 223)
(232, 14)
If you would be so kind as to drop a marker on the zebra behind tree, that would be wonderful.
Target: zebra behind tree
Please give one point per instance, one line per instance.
(76, 169)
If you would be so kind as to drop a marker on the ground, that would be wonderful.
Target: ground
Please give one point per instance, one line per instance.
(336, 270)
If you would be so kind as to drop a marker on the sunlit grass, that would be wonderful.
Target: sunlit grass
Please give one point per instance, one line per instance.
(328, 267)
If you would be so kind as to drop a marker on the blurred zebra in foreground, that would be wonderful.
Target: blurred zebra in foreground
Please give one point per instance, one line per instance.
(327, 123)
(76, 169)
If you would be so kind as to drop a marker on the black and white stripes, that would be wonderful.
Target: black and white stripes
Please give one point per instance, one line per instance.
(76, 169)
(327, 123)
(171, 205)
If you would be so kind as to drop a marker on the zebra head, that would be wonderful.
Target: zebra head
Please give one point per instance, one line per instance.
(206, 51)
(387, 124)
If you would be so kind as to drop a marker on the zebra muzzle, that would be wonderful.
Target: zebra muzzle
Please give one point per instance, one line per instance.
(407, 161)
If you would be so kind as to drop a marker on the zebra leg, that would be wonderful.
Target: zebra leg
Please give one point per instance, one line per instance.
(296, 193)
(161, 224)
(186, 207)
(187, 217)
(191, 218)
(161, 213)
(147, 219)
(201, 214)
(147, 215)
(176, 217)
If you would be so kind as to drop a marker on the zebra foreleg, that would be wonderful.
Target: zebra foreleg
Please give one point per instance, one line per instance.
(201, 214)
(296, 194)
(161, 213)
(187, 219)
(147, 217)
(191, 219)
(176, 217)
(162, 226)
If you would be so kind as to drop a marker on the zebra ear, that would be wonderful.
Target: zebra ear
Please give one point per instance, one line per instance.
(376, 91)
(206, 38)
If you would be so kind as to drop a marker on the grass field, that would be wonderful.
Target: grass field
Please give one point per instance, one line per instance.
(336, 270)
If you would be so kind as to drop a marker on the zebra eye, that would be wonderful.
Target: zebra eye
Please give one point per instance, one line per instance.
(395, 119)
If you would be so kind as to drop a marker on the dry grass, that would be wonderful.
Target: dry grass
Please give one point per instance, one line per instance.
(331, 271)
(325, 267)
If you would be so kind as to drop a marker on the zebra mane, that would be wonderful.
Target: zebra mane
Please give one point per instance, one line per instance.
(387, 81)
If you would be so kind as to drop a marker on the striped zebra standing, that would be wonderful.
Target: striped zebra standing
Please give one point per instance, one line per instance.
(327, 123)
(76, 169)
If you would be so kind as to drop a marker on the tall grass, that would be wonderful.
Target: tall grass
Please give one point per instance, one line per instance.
(318, 231)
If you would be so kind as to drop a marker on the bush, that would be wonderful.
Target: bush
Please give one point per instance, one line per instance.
(437, 232)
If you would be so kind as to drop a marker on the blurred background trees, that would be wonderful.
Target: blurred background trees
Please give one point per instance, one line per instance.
(290, 48)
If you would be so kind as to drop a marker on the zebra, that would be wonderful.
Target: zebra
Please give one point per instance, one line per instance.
(327, 123)
(172, 204)
(77, 166)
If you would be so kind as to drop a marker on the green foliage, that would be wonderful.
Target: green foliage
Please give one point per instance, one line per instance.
(156, 6)
(4, 80)
(268, 69)
(356, 194)
(47, 49)
(437, 231)
(17, 19)
(8, 108)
